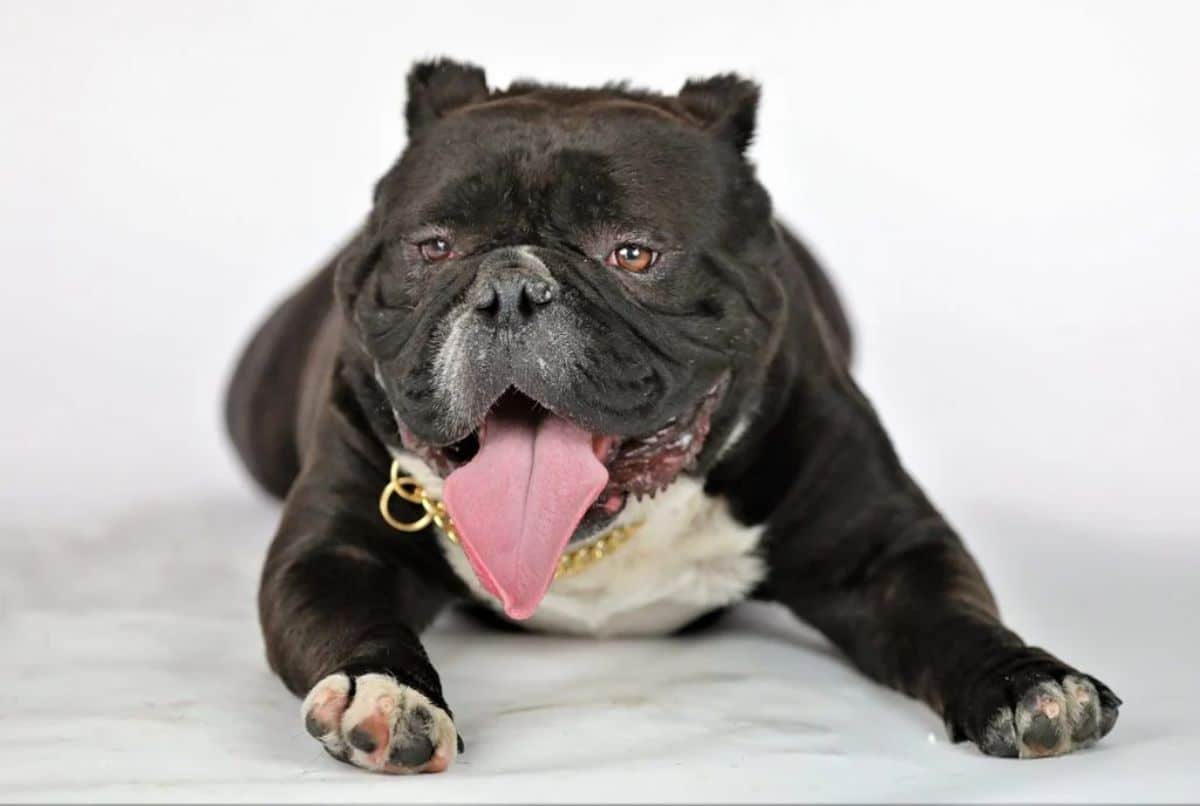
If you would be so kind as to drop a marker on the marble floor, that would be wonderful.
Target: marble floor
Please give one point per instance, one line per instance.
(133, 671)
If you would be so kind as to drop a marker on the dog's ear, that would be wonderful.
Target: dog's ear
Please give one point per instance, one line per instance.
(726, 104)
(439, 86)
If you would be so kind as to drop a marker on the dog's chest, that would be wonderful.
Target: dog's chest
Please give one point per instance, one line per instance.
(689, 556)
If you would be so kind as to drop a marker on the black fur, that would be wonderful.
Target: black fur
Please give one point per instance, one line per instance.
(852, 545)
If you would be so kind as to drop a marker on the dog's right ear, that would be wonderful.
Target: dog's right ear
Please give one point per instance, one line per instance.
(438, 87)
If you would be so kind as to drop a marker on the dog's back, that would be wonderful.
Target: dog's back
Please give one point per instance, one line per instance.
(263, 403)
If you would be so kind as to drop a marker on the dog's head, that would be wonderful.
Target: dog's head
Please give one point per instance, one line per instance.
(563, 295)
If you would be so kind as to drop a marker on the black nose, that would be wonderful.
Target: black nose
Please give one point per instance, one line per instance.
(511, 294)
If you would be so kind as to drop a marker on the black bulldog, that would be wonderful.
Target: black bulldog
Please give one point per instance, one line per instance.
(573, 354)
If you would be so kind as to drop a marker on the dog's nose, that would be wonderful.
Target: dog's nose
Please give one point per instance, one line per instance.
(511, 296)
(512, 292)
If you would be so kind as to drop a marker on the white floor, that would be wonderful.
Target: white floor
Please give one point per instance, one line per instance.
(133, 671)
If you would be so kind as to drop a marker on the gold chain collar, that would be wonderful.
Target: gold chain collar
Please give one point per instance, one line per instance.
(571, 562)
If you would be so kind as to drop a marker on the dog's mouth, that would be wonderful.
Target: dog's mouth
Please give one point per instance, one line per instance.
(527, 481)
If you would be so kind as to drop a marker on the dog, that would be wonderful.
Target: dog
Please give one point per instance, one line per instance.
(573, 373)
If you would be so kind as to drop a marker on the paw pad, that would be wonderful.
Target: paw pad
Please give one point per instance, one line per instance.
(379, 724)
(1051, 718)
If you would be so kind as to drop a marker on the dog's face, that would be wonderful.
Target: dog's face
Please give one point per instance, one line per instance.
(595, 257)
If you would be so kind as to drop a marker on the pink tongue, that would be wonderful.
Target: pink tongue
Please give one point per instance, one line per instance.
(517, 502)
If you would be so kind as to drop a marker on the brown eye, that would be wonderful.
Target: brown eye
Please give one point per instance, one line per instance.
(435, 249)
(632, 257)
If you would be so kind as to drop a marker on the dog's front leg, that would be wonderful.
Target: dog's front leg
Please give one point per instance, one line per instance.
(342, 600)
(855, 549)
(920, 620)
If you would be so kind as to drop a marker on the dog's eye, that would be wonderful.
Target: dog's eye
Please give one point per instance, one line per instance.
(435, 249)
(632, 257)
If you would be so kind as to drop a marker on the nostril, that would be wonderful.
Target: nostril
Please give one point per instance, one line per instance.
(485, 298)
(539, 291)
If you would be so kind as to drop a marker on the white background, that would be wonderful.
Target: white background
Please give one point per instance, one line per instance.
(1008, 195)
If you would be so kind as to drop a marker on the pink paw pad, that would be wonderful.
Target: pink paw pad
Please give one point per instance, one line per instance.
(384, 727)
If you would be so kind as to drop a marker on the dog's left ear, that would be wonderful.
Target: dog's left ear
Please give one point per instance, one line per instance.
(437, 87)
(726, 104)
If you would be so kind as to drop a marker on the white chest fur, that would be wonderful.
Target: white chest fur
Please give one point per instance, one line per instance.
(690, 556)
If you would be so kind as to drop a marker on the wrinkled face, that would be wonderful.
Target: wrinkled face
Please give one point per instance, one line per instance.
(597, 263)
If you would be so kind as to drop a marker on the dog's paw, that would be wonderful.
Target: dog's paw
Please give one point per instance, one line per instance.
(1042, 712)
(374, 722)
